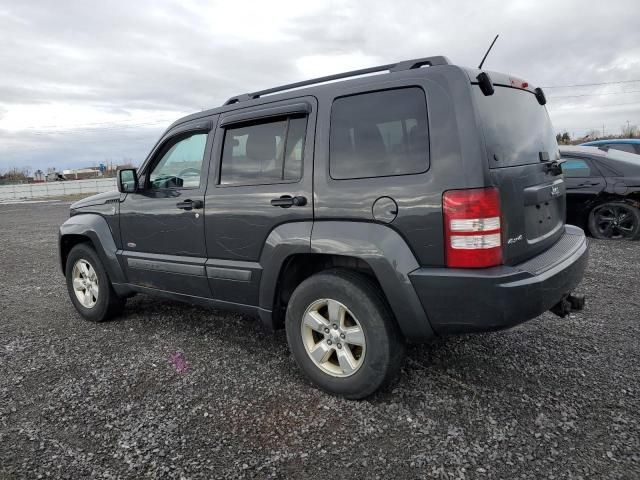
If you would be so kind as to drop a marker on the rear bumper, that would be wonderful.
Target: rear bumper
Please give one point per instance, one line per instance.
(467, 300)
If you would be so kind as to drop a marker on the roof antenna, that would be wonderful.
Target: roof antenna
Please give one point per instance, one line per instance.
(485, 55)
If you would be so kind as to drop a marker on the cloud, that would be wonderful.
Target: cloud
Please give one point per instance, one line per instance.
(86, 81)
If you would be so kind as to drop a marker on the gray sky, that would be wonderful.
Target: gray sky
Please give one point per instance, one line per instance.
(83, 82)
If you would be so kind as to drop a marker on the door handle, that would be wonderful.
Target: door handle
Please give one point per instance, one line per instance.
(286, 201)
(189, 204)
(588, 184)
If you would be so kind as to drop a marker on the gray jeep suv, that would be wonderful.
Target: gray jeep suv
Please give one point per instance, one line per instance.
(358, 211)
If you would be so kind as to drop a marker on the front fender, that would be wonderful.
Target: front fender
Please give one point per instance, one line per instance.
(390, 258)
(95, 228)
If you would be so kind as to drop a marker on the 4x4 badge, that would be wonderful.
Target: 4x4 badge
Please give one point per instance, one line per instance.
(513, 240)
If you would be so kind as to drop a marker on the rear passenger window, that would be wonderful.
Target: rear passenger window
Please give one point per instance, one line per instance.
(379, 134)
(575, 168)
(263, 152)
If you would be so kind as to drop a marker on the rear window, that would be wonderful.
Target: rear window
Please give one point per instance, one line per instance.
(379, 134)
(516, 127)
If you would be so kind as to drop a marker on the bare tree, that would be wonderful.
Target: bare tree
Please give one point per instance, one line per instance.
(16, 174)
(592, 134)
(629, 131)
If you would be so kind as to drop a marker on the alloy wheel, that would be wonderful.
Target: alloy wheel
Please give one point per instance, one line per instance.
(615, 222)
(85, 283)
(333, 337)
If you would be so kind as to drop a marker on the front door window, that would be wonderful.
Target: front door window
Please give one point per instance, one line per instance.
(181, 164)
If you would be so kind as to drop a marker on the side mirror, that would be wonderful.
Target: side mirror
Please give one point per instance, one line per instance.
(127, 180)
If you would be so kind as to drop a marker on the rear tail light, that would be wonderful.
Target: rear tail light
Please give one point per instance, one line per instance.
(472, 228)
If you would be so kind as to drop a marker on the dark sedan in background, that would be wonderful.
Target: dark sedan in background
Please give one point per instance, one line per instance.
(603, 191)
(631, 145)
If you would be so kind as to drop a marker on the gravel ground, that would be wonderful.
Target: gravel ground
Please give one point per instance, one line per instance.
(177, 391)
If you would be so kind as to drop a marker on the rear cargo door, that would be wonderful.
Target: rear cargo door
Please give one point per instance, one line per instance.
(520, 144)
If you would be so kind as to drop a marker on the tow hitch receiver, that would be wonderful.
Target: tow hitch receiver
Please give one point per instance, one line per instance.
(569, 303)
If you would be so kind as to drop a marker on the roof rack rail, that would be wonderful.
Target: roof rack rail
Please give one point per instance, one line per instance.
(391, 67)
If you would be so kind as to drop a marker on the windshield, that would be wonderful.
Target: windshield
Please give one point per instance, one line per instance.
(516, 127)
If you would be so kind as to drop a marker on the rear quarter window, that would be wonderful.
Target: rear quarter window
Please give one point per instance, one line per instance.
(379, 134)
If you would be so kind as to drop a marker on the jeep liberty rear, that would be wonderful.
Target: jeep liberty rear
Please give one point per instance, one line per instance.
(535, 255)
(519, 136)
(358, 214)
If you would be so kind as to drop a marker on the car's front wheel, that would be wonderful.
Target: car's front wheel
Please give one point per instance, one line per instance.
(342, 333)
(89, 287)
(615, 221)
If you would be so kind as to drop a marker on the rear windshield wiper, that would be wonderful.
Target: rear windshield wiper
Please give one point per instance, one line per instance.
(554, 167)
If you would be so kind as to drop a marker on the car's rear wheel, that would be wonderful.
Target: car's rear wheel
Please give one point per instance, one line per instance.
(89, 287)
(615, 221)
(342, 333)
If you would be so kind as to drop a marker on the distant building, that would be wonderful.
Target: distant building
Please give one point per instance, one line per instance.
(53, 175)
(82, 173)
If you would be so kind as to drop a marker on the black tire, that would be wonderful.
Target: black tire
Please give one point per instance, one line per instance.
(384, 352)
(614, 221)
(108, 304)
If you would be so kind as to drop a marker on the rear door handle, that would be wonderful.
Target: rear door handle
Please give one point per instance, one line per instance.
(189, 204)
(588, 184)
(286, 201)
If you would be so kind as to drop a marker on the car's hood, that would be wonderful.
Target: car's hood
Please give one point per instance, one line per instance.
(99, 199)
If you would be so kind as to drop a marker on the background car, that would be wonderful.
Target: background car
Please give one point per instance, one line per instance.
(603, 191)
(630, 145)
